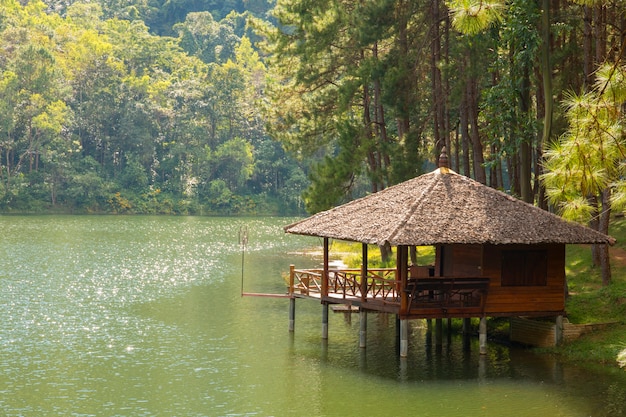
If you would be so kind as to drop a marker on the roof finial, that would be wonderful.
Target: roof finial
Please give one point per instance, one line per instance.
(443, 160)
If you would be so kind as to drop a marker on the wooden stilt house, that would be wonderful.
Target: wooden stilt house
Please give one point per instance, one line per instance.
(495, 255)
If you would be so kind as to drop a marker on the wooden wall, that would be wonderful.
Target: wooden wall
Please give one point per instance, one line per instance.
(486, 261)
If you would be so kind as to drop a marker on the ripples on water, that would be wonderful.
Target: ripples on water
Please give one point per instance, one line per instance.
(73, 293)
(136, 316)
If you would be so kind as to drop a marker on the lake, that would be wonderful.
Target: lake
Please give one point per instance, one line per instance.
(142, 316)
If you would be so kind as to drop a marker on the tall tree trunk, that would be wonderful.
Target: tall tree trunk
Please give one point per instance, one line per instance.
(381, 128)
(493, 170)
(438, 96)
(546, 70)
(587, 47)
(525, 157)
(477, 146)
(447, 128)
(599, 26)
(513, 172)
(463, 122)
(457, 149)
(402, 120)
(372, 160)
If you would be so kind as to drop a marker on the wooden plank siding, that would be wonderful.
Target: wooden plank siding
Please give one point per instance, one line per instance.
(502, 300)
(525, 300)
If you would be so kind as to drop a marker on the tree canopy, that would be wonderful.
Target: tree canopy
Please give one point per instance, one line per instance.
(101, 115)
(202, 106)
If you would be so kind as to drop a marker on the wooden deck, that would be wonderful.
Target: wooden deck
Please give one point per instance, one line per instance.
(381, 291)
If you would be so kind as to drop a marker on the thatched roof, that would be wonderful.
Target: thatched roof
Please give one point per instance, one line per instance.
(443, 207)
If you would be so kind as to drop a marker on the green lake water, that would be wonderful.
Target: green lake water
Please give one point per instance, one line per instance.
(142, 316)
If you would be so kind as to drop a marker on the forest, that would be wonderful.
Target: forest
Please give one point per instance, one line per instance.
(100, 114)
(243, 107)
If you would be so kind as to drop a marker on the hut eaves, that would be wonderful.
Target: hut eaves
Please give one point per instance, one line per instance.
(443, 207)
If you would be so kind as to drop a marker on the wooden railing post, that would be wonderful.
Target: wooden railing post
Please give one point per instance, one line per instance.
(292, 273)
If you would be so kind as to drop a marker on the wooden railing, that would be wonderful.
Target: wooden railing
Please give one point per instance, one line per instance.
(381, 285)
(303, 281)
(346, 283)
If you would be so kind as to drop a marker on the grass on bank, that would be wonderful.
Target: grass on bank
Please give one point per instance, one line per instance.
(588, 301)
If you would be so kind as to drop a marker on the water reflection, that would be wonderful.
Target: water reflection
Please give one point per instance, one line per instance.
(506, 381)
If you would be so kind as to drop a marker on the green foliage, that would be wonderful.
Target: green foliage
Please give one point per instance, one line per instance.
(588, 159)
(474, 16)
(200, 35)
(343, 92)
(97, 114)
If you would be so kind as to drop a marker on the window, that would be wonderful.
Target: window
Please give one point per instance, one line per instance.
(524, 268)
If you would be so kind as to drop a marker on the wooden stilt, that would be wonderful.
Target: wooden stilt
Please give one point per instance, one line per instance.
(438, 332)
(325, 321)
(558, 330)
(292, 313)
(404, 338)
(467, 325)
(467, 328)
(482, 335)
(482, 368)
(429, 334)
(363, 329)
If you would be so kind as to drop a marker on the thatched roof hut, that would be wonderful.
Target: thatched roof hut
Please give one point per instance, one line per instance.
(443, 207)
(495, 255)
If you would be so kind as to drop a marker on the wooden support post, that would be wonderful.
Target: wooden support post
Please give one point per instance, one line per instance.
(482, 368)
(325, 273)
(467, 325)
(363, 328)
(558, 331)
(324, 321)
(292, 313)
(404, 337)
(482, 335)
(402, 271)
(429, 334)
(438, 332)
(364, 272)
(292, 275)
